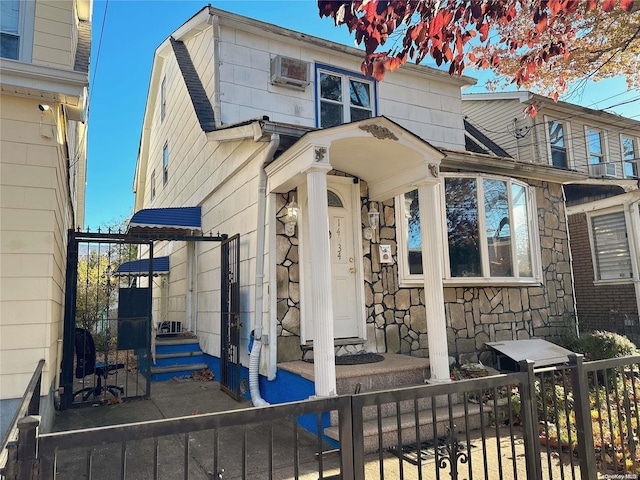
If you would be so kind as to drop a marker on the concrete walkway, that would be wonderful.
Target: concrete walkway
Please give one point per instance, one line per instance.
(186, 397)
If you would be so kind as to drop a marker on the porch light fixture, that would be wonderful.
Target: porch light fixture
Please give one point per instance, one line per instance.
(374, 217)
(291, 219)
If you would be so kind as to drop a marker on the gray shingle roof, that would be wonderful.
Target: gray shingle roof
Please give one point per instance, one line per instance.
(197, 93)
(83, 49)
(478, 142)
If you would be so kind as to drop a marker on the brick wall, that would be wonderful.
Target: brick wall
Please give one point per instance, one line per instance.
(599, 307)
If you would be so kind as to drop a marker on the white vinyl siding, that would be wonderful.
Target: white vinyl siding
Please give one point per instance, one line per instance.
(612, 260)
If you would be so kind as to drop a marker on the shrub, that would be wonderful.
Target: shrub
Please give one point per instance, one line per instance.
(600, 345)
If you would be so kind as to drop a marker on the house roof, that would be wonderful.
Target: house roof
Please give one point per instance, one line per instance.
(197, 93)
(83, 48)
(548, 103)
(478, 142)
(459, 160)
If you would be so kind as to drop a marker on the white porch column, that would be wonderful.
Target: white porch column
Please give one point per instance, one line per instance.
(431, 234)
(324, 365)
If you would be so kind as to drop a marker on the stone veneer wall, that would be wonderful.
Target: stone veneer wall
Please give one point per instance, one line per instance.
(396, 317)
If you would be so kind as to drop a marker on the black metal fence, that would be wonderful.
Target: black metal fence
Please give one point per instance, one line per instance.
(29, 405)
(574, 421)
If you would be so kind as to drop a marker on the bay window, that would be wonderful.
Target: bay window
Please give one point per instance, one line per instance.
(490, 226)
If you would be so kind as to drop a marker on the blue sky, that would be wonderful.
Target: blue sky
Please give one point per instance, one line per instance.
(122, 53)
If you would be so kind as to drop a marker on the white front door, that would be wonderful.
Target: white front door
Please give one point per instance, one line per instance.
(346, 261)
(343, 262)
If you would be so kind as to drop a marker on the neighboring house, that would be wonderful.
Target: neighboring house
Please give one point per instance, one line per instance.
(43, 78)
(247, 120)
(603, 211)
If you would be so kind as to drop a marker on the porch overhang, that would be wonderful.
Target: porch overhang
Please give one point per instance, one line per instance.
(390, 158)
(142, 267)
(186, 220)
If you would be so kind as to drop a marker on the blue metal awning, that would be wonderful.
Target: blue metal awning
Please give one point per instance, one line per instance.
(175, 218)
(141, 267)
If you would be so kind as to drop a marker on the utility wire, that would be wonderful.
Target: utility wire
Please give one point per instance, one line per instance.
(95, 70)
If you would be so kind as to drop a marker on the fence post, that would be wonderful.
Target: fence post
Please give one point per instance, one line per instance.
(529, 412)
(26, 464)
(353, 430)
(584, 430)
(346, 438)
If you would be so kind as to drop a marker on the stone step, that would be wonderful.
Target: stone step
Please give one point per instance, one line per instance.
(389, 426)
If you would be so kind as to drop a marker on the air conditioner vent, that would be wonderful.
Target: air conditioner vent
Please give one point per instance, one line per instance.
(290, 72)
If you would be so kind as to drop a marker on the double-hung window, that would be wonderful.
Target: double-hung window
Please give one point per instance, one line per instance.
(343, 97)
(165, 164)
(630, 157)
(595, 146)
(558, 144)
(490, 227)
(610, 246)
(16, 29)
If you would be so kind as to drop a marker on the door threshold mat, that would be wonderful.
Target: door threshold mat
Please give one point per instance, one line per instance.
(426, 452)
(356, 359)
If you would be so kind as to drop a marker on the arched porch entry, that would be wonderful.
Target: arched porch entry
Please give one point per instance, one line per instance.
(392, 161)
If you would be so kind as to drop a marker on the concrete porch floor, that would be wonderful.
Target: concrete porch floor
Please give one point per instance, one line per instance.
(394, 371)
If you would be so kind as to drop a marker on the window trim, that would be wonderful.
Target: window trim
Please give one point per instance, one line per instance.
(165, 164)
(604, 145)
(566, 127)
(26, 21)
(319, 67)
(411, 280)
(636, 153)
(594, 260)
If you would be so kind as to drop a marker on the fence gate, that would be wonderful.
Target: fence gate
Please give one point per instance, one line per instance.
(230, 305)
(105, 348)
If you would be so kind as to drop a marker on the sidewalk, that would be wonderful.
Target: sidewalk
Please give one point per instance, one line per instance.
(185, 397)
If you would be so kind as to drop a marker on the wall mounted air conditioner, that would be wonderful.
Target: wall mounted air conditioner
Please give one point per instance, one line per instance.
(603, 170)
(290, 73)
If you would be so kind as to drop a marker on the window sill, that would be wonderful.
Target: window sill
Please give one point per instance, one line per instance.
(473, 282)
(616, 281)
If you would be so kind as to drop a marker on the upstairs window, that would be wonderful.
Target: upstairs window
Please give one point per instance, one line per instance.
(595, 146)
(165, 164)
(10, 28)
(163, 98)
(557, 135)
(612, 260)
(16, 29)
(491, 230)
(630, 157)
(343, 97)
(153, 185)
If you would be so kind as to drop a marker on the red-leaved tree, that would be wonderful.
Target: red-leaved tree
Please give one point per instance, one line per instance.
(411, 30)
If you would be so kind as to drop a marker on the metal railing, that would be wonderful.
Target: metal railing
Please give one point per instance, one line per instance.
(29, 405)
(572, 421)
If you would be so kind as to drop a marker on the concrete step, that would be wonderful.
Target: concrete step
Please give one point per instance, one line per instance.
(389, 426)
(394, 372)
(178, 358)
(166, 345)
(161, 374)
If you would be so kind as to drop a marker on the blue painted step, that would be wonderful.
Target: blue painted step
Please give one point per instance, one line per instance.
(176, 357)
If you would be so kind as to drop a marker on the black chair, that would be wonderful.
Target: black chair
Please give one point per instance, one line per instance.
(86, 365)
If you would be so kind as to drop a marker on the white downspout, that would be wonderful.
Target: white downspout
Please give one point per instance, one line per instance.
(254, 359)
